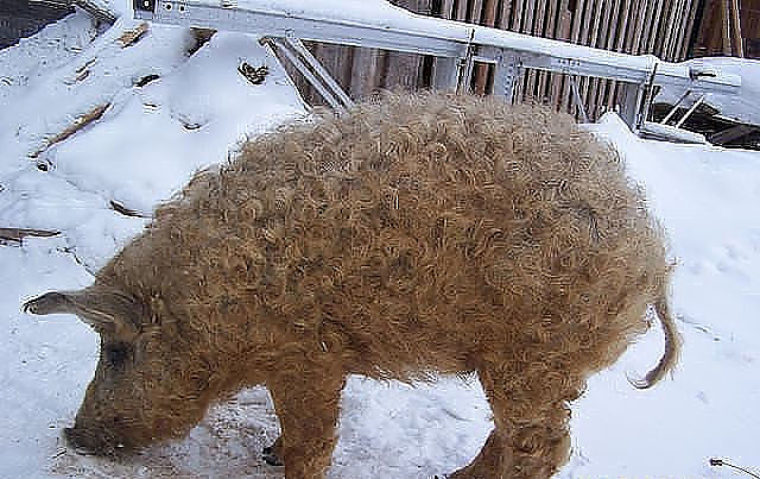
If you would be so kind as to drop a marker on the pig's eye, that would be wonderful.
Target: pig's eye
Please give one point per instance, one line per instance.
(117, 354)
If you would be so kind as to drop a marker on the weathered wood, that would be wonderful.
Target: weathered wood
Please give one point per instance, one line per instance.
(653, 29)
(81, 122)
(731, 134)
(641, 17)
(676, 30)
(689, 30)
(364, 72)
(680, 24)
(619, 46)
(482, 72)
(736, 29)
(505, 19)
(517, 15)
(549, 32)
(529, 79)
(564, 33)
(591, 84)
(667, 29)
(726, 28)
(461, 13)
(16, 236)
(475, 13)
(609, 44)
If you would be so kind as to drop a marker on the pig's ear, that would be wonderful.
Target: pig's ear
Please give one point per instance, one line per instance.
(106, 310)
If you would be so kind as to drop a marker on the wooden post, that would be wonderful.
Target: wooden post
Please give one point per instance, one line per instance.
(684, 53)
(736, 30)
(604, 88)
(726, 23)
(481, 73)
(619, 45)
(549, 32)
(591, 84)
(563, 33)
(506, 15)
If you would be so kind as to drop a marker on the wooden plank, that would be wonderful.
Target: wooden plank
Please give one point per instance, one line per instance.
(630, 33)
(447, 7)
(667, 38)
(461, 13)
(531, 12)
(15, 236)
(517, 15)
(575, 33)
(683, 18)
(505, 19)
(585, 39)
(364, 72)
(653, 27)
(726, 28)
(539, 27)
(563, 33)
(619, 46)
(475, 13)
(641, 18)
(403, 69)
(662, 28)
(736, 29)
(677, 30)
(689, 31)
(488, 19)
(549, 32)
(608, 37)
(599, 41)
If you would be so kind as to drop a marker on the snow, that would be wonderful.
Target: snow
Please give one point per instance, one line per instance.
(141, 151)
(743, 106)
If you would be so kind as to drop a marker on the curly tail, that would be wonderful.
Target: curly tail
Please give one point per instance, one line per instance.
(672, 345)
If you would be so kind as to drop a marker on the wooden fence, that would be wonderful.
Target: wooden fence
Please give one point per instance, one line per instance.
(729, 27)
(660, 27)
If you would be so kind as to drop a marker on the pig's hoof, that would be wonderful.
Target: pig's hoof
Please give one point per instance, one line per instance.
(271, 457)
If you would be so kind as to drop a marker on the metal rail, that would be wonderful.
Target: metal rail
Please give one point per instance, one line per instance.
(458, 45)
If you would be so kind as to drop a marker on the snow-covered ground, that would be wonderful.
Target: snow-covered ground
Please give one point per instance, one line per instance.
(148, 142)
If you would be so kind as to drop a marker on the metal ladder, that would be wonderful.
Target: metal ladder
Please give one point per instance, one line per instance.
(457, 47)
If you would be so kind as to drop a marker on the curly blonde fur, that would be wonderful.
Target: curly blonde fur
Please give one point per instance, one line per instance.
(419, 234)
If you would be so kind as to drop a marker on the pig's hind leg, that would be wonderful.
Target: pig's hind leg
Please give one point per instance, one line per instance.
(530, 439)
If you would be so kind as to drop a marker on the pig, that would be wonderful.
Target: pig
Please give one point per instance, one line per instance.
(416, 235)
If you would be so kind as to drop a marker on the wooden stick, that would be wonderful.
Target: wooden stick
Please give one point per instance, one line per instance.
(17, 235)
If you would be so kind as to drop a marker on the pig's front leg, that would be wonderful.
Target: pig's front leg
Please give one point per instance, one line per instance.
(306, 397)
